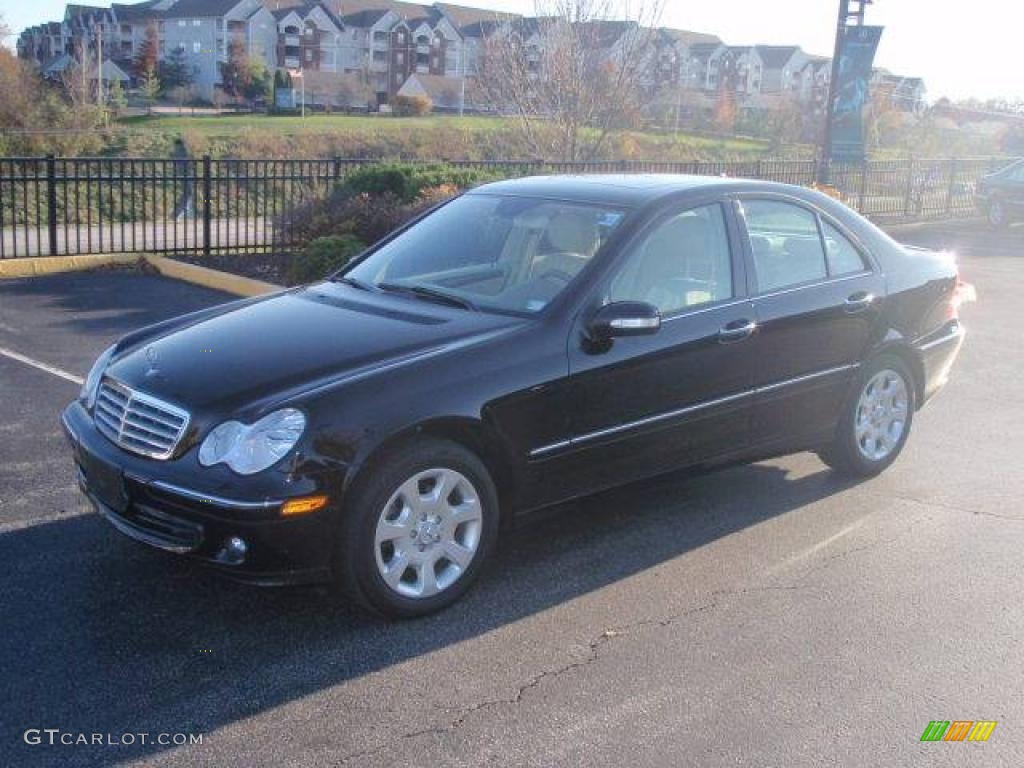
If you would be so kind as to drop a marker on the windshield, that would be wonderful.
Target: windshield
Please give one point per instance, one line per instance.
(491, 252)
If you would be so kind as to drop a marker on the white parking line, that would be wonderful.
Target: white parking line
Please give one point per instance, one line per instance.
(42, 366)
(817, 547)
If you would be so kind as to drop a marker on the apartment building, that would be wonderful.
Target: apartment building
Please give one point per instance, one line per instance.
(383, 43)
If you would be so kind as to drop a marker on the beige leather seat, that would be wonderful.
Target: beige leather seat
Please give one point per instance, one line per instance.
(570, 241)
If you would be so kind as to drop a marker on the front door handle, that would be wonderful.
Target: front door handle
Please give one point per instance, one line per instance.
(858, 302)
(737, 331)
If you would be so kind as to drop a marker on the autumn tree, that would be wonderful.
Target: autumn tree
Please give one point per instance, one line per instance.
(569, 76)
(236, 72)
(37, 118)
(148, 57)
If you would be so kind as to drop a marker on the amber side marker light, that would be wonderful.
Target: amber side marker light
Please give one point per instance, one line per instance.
(303, 505)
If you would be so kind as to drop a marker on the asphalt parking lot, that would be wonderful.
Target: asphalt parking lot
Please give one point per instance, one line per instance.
(762, 615)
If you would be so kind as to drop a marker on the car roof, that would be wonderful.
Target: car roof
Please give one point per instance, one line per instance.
(630, 190)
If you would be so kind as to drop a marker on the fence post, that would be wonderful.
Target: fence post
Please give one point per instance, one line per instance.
(337, 168)
(910, 188)
(952, 186)
(863, 186)
(207, 207)
(51, 201)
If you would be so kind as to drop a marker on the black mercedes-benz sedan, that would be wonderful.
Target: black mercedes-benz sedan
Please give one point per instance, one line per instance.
(526, 343)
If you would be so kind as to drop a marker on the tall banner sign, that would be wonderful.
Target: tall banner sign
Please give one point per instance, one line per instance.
(856, 59)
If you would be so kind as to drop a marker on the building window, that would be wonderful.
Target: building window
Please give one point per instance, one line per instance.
(196, 22)
(197, 47)
(400, 58)
(309, 54)
(181, 22)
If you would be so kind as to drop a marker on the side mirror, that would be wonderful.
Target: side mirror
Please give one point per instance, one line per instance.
(624, 318)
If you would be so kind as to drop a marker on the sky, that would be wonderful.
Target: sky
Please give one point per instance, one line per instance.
(962, 49)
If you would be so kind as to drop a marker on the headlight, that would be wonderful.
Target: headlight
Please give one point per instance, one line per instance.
(251, 448)
(92, 381)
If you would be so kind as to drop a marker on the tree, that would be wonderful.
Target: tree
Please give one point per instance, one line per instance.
(150, 89)
(148, 57)
(37, 118)
(260, 82)
(236, 72)
(116, 97)
(176, 72)
(181, 95)
(570, 75)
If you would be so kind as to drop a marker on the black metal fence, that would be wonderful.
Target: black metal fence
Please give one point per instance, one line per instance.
(56, 206)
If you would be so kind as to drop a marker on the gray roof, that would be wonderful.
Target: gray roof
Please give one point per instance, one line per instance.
(198, 9)
(776, 56)
(689, 38)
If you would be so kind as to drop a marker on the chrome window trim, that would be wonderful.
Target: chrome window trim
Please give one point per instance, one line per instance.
(590, 436)
(218, 501)
(815, 284)
(699, 309)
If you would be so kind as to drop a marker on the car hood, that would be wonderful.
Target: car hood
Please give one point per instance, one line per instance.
(292, 342)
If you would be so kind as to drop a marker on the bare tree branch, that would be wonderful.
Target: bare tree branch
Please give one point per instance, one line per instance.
(572, 74)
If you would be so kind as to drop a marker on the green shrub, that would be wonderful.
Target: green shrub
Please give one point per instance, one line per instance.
(407, 180)
(322, 257)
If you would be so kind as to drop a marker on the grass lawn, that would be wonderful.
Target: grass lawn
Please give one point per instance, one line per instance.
(471, 137)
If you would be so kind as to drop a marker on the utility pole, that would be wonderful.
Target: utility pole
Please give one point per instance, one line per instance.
(851, 13)
(99, 65)
(462, 95)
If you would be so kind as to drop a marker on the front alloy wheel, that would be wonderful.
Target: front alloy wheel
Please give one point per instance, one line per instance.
(418, 527)
(428, 533)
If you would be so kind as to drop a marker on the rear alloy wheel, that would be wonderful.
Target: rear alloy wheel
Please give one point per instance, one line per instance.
(418, 529)
(876, 420)
(997, 214)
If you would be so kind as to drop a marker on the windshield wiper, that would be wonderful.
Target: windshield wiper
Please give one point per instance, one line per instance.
(354, 282)
(430, 294)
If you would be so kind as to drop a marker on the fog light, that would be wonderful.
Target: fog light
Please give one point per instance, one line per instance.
(303, 505)
(235, 549)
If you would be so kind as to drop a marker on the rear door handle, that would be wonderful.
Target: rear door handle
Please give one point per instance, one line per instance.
(858, 302)
(737, 331)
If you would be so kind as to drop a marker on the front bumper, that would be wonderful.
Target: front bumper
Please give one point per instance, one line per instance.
(145, 502)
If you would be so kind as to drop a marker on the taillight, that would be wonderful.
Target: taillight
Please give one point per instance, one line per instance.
(963, 293)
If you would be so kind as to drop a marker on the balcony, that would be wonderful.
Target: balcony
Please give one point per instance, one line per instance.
(292, 41)
(292, 62)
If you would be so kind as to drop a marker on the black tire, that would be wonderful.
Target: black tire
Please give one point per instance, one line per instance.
(844, 455)
(356, 569)
(997, 214)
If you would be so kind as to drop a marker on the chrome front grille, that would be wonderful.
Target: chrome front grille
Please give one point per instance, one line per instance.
(138, 422)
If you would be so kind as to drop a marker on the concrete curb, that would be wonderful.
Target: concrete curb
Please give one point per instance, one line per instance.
(211, 278)
(178, 270)
(48, 265)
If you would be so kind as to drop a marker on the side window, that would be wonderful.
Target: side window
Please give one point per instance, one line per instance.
(683, 262)
(785, 242)
(843, 256)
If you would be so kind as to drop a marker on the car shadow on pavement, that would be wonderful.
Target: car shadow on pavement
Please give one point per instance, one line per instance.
(102, 635)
